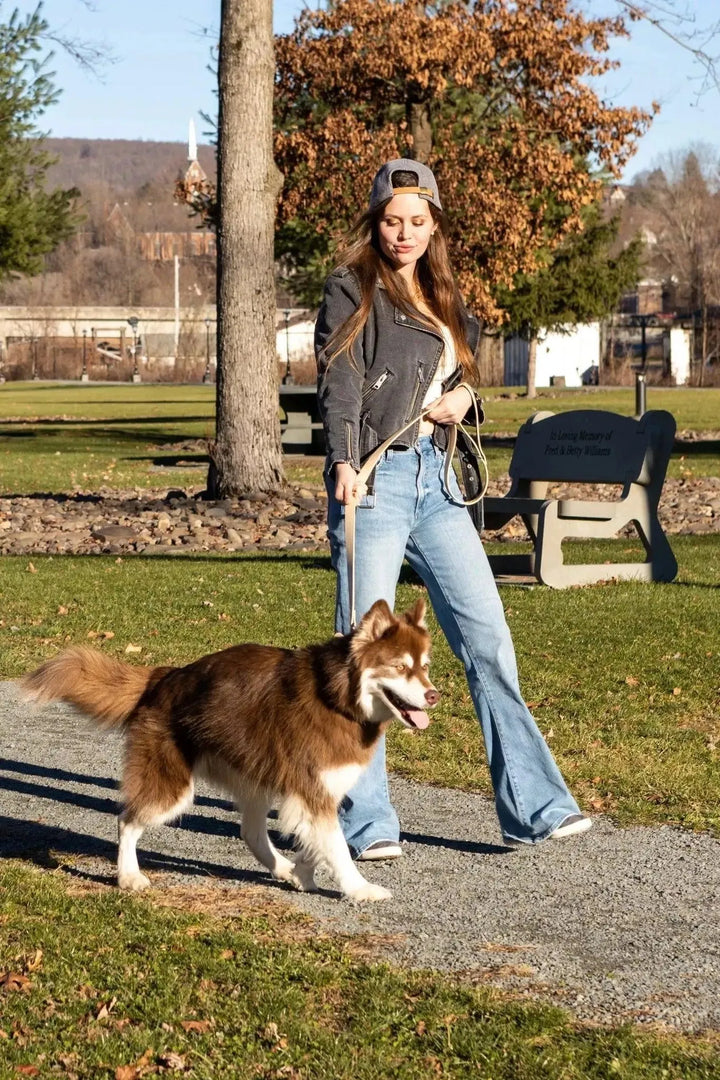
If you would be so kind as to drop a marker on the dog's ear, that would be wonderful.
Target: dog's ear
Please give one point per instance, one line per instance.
(416, 614)
(374, 623)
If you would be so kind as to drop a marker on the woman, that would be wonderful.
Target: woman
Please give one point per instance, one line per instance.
(392, 336)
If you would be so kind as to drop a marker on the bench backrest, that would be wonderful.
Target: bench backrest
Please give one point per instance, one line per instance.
(593, 446)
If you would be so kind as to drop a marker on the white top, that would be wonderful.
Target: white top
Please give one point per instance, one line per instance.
(446, 366)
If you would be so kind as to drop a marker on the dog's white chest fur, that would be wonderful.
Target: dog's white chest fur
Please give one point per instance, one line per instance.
(339, 781)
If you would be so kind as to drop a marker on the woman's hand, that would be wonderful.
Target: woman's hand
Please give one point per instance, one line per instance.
(346, 486)
(451, 407)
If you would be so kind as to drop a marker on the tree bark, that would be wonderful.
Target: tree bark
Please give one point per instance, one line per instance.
(532, 367)
(247, 452)
(418, 118)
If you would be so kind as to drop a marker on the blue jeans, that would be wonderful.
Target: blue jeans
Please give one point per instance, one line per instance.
(411, 515)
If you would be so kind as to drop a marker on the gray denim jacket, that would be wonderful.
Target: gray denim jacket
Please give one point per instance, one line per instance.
(364, 399)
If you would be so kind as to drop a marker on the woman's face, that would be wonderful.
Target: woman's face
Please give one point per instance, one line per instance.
(404, 231)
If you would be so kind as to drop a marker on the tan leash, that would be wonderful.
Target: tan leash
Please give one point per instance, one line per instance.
(370, 463)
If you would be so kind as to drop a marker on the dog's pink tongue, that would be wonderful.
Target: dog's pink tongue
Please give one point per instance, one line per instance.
(418, 718)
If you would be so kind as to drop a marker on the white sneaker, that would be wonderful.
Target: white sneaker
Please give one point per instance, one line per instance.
(571, 826)
(381, 849)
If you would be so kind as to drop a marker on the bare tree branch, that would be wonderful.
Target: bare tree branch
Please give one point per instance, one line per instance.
(674, 23)
(91, 56)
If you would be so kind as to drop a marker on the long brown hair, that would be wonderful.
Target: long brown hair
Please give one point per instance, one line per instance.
(362, 255)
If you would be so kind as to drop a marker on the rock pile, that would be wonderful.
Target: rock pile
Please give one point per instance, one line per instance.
(163, 522)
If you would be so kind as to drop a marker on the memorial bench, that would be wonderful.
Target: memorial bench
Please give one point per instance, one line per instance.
(301, 428)
(586, 447)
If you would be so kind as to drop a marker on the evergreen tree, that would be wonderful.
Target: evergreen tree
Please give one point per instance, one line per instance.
(579, 281)
(33, 220)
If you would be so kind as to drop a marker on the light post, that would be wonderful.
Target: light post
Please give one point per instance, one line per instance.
(643, 321)
(84, 376)
(287, 377)
(206, 376)
(133, 324)
(34, 360)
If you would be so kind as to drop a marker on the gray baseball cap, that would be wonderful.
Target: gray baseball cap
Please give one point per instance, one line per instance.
(382, 188)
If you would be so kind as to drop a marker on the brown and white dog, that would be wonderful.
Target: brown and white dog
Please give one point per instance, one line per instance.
(273, 727)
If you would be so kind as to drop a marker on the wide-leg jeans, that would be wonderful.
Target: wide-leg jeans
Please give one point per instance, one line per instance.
(411, 515)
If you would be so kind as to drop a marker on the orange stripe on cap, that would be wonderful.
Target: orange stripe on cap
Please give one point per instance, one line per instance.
(428, 192)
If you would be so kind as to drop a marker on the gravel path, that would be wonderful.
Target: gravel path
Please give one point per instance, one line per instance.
(620, 924)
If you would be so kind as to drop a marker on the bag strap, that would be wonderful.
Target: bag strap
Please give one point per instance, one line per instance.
(372, 460)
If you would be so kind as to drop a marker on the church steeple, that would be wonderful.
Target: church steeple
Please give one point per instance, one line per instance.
(194, 174)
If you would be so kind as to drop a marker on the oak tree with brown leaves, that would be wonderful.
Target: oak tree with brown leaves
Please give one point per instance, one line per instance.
(494, 97)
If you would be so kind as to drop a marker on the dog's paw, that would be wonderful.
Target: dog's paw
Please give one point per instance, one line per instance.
(370, 892)
(299, 877)
(133, 882)
(303, 877)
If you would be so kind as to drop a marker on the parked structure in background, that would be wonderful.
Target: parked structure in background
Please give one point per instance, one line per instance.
(138, 254)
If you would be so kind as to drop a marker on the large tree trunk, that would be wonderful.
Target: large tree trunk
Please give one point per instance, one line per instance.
(532, 366)
(247, 454)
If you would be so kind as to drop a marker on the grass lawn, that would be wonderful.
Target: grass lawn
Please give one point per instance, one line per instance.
(104, 985)
(70, 437)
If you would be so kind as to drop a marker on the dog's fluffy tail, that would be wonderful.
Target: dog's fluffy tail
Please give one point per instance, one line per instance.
(103, 688)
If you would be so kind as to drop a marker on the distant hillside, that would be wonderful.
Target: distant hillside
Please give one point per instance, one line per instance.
(122, 164)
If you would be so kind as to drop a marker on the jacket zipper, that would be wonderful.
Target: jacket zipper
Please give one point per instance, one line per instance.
(348, 441)
(418, 388)
(367, 394)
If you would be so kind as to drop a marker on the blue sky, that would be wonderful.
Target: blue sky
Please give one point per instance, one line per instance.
(160, 77)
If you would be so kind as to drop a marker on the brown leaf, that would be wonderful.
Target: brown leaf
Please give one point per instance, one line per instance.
(62, 610)
(13, 980)
(174, 1061)
(133, 648)
(132, 1072)
(27, 1070)
(677, 691)
(631, 680)
(31, 570)
(200, 1027)
(105, 1009)
(36, 962)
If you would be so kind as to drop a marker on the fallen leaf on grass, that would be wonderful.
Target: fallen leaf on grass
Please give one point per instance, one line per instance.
(133, 648)
(105, 1009)
(35, 962)
(14, 981)
(140, 1068)
(31, 570)
(126, 1072)
(631, 680)
(677, 691)
(173, 1061)
(62, 610)
(27, 1070)
(200, 1027)
(272, 1037)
